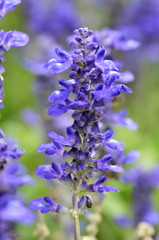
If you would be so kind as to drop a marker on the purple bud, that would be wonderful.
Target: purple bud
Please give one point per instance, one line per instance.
(82, 202)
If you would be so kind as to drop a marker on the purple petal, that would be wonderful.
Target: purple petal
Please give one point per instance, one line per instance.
(107, 189)
(101, 54)
(37, 204)
(56, 110)
(129, 45)
(58, 96)
(59, 139)
(124, 88)
(57, 169)
(7, 6)
(57, 66)
(45, 171)
(126, 77)
(106, 65)
(48, 148)
(113, 168)
(82, 202)
(114, 144)
(131, 157)
(18, 39)
(62, 54)
(49, 201)
(108, 134)
(101, 180)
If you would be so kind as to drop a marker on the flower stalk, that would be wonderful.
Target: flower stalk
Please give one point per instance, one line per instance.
(75, 216)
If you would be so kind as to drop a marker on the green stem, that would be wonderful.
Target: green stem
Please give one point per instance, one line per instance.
(75, 217)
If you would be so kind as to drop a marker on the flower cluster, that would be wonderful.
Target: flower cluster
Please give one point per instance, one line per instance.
(144, 182)
(93, 83)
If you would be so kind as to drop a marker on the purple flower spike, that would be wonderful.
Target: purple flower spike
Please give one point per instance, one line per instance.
(58, 96)
(93, 82)
(56, 110)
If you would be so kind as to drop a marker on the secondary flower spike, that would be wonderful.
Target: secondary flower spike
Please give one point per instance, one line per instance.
(93, 83)
(7, 40)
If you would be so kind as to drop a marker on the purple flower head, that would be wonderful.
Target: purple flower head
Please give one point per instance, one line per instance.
(7, 6)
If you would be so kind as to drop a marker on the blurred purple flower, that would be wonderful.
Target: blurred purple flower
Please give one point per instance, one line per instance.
(144, 183)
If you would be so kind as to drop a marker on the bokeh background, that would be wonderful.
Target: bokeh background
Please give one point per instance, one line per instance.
(143, 106)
